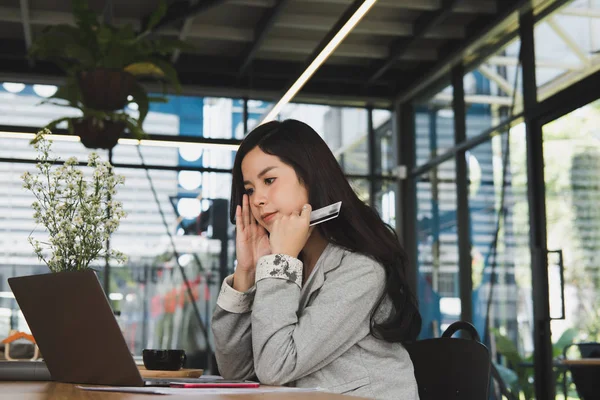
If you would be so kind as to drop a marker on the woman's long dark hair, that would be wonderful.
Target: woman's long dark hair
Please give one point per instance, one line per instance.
(358, 227)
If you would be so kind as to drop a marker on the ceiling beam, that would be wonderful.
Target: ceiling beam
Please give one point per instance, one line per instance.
(45, 17)
(253, 3)
(367, 26)
(568, 39)
(227, 33)
(350, 50)
(266, 23)
(13, 59)
(272, 69)
(312, 22)
(15, 68)
(423, 24)
(183, 32)
(204, 31)
(36, 17)
(540, 63)
(581, 12)
(320, 92)
(463, 6)
(178, 12)
(502, 83)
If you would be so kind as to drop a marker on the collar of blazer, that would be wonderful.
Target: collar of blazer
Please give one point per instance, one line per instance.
(330, 259)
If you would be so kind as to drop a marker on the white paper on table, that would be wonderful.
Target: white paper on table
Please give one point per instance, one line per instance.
(195, 391)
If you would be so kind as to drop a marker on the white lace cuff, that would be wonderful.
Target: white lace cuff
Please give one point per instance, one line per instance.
(233, 301)
(279, 266)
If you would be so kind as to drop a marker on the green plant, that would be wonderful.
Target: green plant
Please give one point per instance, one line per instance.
(78, 213)
(518, 373)
(91, 45)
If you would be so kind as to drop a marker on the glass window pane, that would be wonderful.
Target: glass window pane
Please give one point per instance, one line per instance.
(17, 146)
(500, 238)
(210, 117)
(197, 220)
(385, 200)
(490, 90)
(567, 44)
(385, 151)
(343, 129)
(156, 311)
(20, 105)
(434, 126)
(257, 109)
(437, 249)
(571, 170)
(186, 155)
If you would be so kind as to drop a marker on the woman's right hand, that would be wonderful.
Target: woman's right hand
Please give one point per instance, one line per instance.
(252, 242)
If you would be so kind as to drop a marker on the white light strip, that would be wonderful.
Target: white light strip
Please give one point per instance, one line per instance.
(7, 295)
(320, 59)
(169, 143)
(129, 142)
(29, 136)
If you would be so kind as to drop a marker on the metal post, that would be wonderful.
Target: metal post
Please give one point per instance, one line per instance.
(463, 223)
(372, 156)
(435, 198)
(145, 311)
(245, 115)
(220, 232)
(406, 201)
(544, 378)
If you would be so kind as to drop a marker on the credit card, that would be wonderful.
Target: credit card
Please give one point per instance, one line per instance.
(325, 214)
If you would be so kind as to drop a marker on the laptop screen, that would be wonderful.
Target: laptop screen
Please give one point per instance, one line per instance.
(75, 328)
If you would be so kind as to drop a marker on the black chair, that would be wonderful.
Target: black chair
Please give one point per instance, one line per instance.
(585, 377)
(451, 368)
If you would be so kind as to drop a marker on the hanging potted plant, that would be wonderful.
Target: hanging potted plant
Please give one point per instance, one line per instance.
(103, 64)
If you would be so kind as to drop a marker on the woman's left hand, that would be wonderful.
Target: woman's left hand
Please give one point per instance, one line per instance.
(289, 233)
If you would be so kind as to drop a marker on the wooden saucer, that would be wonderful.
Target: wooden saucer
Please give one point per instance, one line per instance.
(182, 373)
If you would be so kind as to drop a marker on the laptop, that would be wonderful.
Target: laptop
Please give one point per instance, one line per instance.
(76, 330)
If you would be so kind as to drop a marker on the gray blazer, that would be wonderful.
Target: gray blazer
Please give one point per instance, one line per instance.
(316, 335)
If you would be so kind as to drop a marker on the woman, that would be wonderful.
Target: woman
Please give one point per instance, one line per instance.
(325, 306)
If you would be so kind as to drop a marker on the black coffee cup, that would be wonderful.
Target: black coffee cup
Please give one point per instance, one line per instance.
(163, 360)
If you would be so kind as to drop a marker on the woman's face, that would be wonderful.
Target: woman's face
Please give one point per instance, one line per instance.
(273, 188)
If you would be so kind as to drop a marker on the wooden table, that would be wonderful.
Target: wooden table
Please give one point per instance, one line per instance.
(576, 363)
(67, 391)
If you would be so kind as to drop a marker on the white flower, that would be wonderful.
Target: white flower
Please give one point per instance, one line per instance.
(77, 213)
